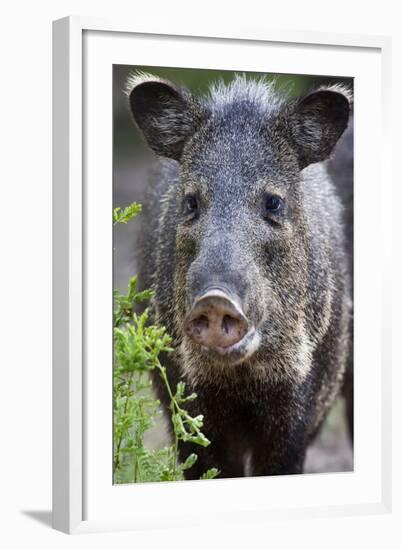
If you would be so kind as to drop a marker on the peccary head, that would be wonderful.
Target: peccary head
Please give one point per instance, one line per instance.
(242, 216)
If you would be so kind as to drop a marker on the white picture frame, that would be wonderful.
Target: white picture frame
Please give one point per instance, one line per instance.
(83, 49)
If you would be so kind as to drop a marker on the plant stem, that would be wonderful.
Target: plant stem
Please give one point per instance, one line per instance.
(127, 394)
(175, 408)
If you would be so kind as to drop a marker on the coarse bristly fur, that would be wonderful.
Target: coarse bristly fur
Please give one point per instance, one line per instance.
(290, 270)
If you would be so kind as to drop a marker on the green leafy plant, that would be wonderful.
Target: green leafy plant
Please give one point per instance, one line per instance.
(137, 347)
(126, 214)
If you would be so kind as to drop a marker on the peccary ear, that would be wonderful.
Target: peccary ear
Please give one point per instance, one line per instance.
(316, 123)
(166, 115)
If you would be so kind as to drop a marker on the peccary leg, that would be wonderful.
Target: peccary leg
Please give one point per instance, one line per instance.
(229, 445)
(214, 456)
(281, 453)
(255, 444)
(348, 391)
(280, 429)
(284, 454)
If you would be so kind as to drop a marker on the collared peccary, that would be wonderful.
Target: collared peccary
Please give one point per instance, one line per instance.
(243, 243)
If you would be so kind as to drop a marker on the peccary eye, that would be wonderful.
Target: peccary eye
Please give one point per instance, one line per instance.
(190, 205)
(272, 204)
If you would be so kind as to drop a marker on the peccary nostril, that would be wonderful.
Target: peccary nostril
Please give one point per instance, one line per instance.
(216, 321)
(200, 324)
(229, 324)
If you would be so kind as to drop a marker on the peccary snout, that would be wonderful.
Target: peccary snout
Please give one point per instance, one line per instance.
(216, 321)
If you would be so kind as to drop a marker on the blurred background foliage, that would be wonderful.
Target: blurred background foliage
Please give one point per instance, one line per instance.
(131, 162)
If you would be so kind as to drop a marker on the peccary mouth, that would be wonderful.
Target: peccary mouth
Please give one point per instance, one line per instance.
(244, 348)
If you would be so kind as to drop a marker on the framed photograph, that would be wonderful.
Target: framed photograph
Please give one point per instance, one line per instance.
(220, 333)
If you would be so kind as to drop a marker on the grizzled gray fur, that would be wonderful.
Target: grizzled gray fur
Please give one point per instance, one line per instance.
(243, 243)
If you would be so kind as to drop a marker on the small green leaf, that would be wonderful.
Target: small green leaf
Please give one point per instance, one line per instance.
(115, 213)
(189, 462)
(210, 474)
(200, 440)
